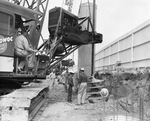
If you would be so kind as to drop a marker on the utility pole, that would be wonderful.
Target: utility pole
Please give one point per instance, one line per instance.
(93, 46)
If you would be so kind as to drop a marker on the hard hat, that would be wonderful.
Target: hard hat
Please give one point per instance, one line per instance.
(104, 92)
(82, 69)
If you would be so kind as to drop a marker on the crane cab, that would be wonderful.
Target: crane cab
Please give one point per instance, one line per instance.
(10, 15)
(7, 33)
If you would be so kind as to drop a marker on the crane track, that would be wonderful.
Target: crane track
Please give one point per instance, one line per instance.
(37, 103)
(23, 104)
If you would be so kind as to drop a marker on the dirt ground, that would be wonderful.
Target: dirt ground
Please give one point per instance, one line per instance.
(58, 109)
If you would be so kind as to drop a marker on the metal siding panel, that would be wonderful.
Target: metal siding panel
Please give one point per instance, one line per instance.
(142, 36)
(99, 69)
(141, 52)
(102, 54)
(126, 65)
(101, 62)
(142, 63)
(125, 56)
(114, 48)
(106, 61)
(107, 51)
(125, 43)
(96, 57)
(113, 59)
(97, 63)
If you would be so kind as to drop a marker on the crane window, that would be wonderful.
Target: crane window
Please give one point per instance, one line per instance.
(6, 23)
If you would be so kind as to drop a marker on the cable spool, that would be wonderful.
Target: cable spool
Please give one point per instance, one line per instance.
(104, 92)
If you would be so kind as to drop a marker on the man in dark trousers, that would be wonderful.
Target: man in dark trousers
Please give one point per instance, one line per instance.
(82, 87)
(70, 84)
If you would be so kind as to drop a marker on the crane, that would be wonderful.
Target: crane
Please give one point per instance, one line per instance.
(65, 36)
(28, 15)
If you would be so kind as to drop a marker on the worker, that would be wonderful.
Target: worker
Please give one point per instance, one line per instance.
(82, 87)
(76, 82)
(23, 49)
(52, 78)
(70, 85)
(66, 79)
(22, 46)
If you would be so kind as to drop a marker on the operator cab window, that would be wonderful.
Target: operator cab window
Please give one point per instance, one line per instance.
(6, 23)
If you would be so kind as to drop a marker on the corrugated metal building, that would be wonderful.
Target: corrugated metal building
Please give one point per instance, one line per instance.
(131, 49)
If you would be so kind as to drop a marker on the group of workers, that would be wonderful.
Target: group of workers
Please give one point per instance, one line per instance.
(81, 85)
(72, 80)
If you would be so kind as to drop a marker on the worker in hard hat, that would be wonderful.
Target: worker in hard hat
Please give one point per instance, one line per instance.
(82, 87)
(70, 85)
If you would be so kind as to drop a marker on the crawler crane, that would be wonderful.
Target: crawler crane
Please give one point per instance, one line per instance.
(65, 36)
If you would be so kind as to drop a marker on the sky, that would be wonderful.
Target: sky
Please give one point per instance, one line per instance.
(114, 17)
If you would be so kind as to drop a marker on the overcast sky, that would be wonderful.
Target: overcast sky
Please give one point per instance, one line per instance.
(114, 17)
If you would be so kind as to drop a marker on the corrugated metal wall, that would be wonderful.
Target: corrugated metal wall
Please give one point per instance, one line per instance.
(132, 49)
